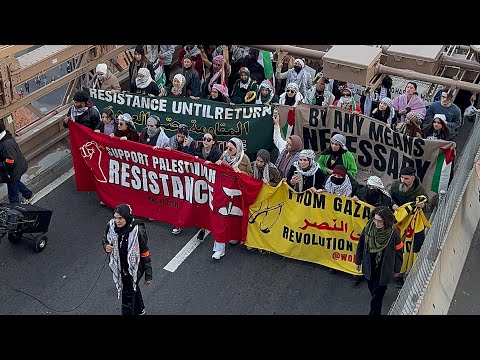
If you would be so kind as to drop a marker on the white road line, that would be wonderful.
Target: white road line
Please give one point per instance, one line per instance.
(54, 184)
(184, 252)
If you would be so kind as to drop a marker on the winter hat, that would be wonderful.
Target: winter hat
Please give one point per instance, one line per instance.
(81, 96)
(139, 49)
(339, 139)
(408, 171)
(339, 170)
(101, 68)
(441, 117)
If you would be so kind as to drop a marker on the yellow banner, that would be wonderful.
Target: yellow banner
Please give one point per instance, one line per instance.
(317, 227)
(410, 221)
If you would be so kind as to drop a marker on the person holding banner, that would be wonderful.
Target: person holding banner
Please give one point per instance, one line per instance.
(235, 157)
(181, 141)
(219, 93)
(209, 151)
(405, 190)
(144, 84)
(264, 170)
(126, 241)
(266, 94)
(139, 61)
(109, 122)
(439, 129)
(318, 95)
(288, 149)
(385, 111)
(337, 154)
(82, 111)
(126, 128)
(305, 173)
(340, 183)
(153, 133)
(379, 255)
(347, 100)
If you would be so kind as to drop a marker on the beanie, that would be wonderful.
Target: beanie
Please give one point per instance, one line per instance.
(101, 68)
(139, 49)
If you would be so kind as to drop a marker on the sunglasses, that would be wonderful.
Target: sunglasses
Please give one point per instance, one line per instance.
(291, 91)
(207, 139)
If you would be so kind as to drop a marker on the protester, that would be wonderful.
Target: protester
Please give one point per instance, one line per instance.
(126, 128)
(405, 190)
(109, 122)
(126, 241)
(12, 166)
(152, 132)
(144, 84)
(139, 61)
(409, 101)
(340, 183)
(305, 173)
(379, 255)
(209, 151)
(264, 170)
(105, 80)
(235, 157)
(337, 154)
(82, 111)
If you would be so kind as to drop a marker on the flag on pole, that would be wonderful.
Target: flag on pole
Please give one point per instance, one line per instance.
(265, 59)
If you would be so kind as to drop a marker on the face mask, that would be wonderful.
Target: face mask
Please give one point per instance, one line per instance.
(297, 68)
(372, 192)
(337, 181)
(101, 77)
(347, 98)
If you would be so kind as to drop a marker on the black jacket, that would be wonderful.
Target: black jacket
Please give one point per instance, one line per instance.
(145, 265)
(12, 162)
(390, 263)
(212, 156)
(89, 118)
(316, 180)
(380, 199)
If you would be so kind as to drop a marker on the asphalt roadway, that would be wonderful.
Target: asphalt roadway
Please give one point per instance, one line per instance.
(71, 275)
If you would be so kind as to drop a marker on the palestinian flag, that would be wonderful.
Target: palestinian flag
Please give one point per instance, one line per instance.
(264, 59)
(443, 169)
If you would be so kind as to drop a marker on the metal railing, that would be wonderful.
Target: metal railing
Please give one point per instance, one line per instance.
(410, 296)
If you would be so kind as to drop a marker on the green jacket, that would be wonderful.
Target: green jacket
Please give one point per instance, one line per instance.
(417, 189)
(347, 159)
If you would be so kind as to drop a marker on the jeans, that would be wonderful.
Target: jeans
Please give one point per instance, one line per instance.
(15, 188)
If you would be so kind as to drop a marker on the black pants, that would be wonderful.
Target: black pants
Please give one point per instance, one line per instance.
(418, 241)
(132, 300)
(377, 292)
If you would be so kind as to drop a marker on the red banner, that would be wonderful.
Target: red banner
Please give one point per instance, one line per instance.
(165, 185)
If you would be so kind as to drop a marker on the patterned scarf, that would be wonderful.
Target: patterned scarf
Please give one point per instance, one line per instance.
(344, 189)
(143, 81)
(377, 239)
(237, 158)
(133, 255)
(264, 154)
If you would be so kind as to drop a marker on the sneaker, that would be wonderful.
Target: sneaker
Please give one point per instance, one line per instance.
(249, 248)
(233, 242)
(201, 235)
(142, 313)
(218, 254)
(26, 201)
(176, 231)
(399, 282)
(102, 203)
